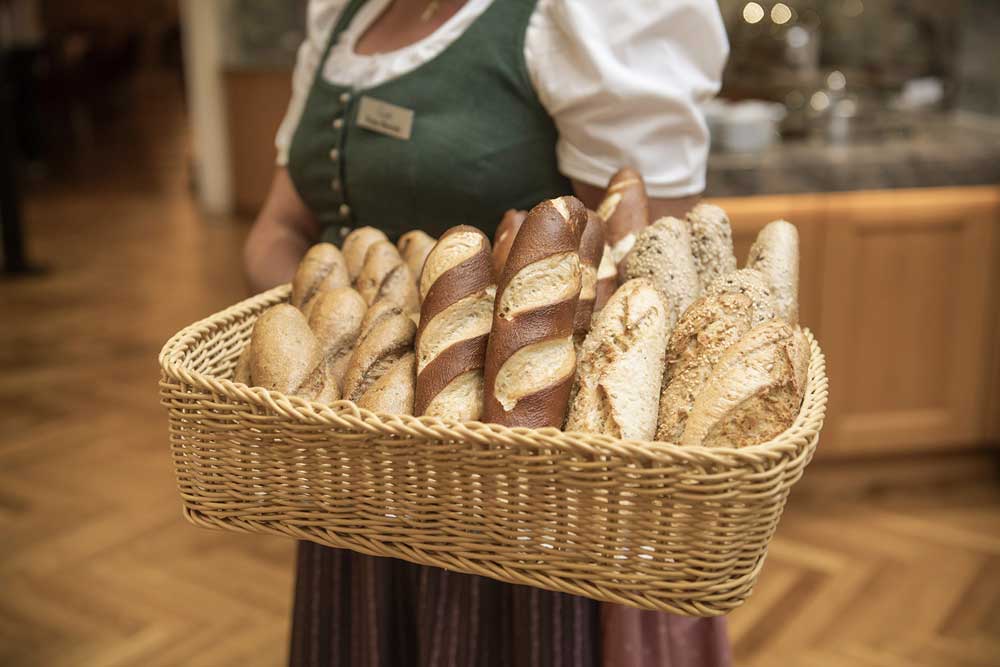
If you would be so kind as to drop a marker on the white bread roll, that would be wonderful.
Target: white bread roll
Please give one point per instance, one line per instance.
(620, 368)
(755, 391)
(775, 254)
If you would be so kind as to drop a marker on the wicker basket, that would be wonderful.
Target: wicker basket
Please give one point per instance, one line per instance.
(650, 525)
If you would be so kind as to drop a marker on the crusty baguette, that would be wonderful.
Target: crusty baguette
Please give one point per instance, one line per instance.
(504, 238)
(530, 361)
(591, 250)
(775, 254)
(607, 279)
(711, 242)
(385, 275)
(393, 392)
(284, 350)
(321, 269)
(620, 368)
(662, 252)
(414, 246)
(335, 319)
(625, 211)
(755, 391)
(709, 327)
(355, 247)
(385, 343)
(751, 283)
(455, 320)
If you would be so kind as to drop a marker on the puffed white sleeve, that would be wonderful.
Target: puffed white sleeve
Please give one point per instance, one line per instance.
(321, 17)
(624, 82)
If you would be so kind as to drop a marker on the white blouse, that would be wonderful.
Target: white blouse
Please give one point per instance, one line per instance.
(623, 81)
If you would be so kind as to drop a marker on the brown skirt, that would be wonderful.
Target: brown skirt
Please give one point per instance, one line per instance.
(363, 611)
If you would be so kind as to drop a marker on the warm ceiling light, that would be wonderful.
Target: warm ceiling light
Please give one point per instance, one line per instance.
(819, 101)
(781, 13)
(752, 12)
(836, 80)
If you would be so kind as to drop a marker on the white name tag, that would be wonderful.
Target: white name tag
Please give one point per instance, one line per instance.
(385, 118)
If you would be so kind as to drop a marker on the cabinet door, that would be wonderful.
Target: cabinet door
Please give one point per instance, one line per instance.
(905, 315)
(806, 212)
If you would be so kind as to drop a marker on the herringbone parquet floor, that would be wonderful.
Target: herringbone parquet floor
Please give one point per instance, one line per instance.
(98, 569)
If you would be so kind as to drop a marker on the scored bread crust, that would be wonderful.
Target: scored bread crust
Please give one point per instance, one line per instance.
(414, 246)
(504, 237)
(385, 276)
(284, 350)
(336, 319)
(552, 229)
(663, 253)
(775, 253)
(355, 247)
(754, 285)
(387, 341)
(755, 391)
(625, 209)
(709, 327)
(393, 392)
(711, 242)
(620, 369)
(321, 268)
(591, 250)
(455, 320)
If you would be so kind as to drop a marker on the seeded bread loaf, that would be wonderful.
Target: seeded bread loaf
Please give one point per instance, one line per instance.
(751, 283)
(662, 253)
(530, 360)
(711, 243)
(607, 279)
(775, 254)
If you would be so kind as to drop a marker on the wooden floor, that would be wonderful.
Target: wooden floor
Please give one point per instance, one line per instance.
(97, 568)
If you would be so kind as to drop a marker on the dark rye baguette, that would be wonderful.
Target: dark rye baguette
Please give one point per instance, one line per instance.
(455, 319)
(590, 251)
(504, 238)
(625, 210)
(322, 268)
(530, 360)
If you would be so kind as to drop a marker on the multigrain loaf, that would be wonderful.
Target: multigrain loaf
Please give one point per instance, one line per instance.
(530, 360)
(504, 238)
(755, 391)
(711, 242)
(284, 350)
(385, 276)
(393, 391)
(709, 327)
(414, 246)
(335, 319)
(385, 343)
(590, 252)
(775, 253)
(662, 253)
(355, 247)
(455, 320)
(751, 283)
(321, 269)
(625, 211)
(620, 368)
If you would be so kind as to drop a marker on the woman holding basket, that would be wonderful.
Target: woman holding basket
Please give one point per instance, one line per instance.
(417, 114)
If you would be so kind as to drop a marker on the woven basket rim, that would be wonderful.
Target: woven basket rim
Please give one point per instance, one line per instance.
(790, 443)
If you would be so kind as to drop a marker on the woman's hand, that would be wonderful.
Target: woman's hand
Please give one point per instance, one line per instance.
(591, 196)
(283, 231)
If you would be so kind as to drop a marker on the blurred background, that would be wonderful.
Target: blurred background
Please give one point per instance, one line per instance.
(137, 145)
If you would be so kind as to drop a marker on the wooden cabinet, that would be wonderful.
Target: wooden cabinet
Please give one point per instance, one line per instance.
(902, 290)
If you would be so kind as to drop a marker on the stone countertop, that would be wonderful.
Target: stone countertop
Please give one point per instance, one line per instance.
(934, 151)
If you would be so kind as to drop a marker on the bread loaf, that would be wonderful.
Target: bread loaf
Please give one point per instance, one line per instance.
(385, 276)
(709, 327)
(711, 243)
(625, 211)
(242, 371)
(591, 251)
(775, 254)
(335, 319)
(751, 283)
(393, 391)
(284, 350)
(504, 238)
(321, 269)
(755, 391)
(455, 320)
(620, 368)
(385, 343)
(530, 361)
(662, 253)
(607, 279)
(414, 246)
(355, 248)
